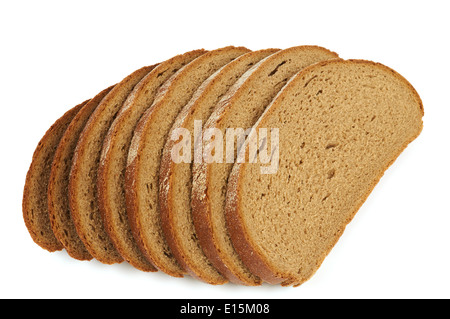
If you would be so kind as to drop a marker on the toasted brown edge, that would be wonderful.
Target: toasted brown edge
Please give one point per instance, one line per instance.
(166, 192)
(131, 194)
(246, 248)
(65, 119)
(55, 170)
(166, 180)
(200, 195)
(132, 168)
(106, 162)
(113, 256)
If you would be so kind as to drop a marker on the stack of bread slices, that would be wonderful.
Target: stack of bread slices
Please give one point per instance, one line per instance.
(148, 172)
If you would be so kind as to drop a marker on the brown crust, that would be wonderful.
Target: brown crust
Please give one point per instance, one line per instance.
(200, 192)
(200, 195)
(46, 240)
(238, 233)
(107, 159)
(246, 248)
(133, 167)
(110, 255)
(131, 202)
(166, 194)
(58, 198)
(200, 203)
(202, 226)
(131, 175)
(105, 211)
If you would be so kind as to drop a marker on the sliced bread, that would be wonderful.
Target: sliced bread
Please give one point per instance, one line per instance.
(141, 177)
(341, 125)
(240, 108)
(34, 202)
(175, 179)
(83, 177)
(111, 172)
(58, 186)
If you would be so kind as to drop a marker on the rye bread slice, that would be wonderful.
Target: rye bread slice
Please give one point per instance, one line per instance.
(239, 109)
(175, 179)
(58, 186)
(83, 177)
(111, 172)
(341, 125)
(34, 202)
(141, 177)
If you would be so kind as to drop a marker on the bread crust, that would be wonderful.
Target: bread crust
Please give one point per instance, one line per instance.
(201, 202)
(133, 175)
(246, 247)
(57, 197)
(169, 168)
(111, 144)
(107, 253)
(41, 233)
(166, 197)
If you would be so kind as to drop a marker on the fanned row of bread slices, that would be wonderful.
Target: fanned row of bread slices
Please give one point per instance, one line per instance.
(103, 182)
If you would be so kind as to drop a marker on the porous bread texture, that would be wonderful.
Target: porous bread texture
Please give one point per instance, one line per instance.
(240, 108)
(34, 201)
(144, 156)
(175, 179)
(341, 125)
(83, 177)
(58, 186)
(111, 172)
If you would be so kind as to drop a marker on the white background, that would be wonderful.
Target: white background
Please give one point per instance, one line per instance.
(55, 55)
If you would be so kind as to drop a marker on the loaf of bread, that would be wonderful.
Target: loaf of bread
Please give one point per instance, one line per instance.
(228, 165)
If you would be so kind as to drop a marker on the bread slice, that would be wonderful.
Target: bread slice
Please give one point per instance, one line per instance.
(240, 108)
(111, 172)
(58, 186)
(34, 202)
(175, 179)
(341, 125)
(144, 156)
(83, 177)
